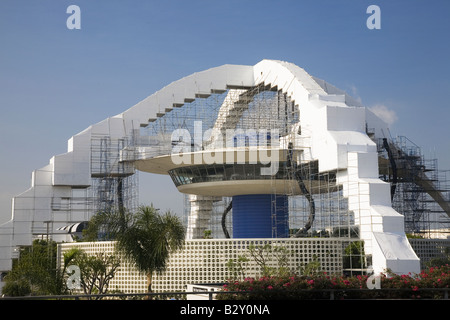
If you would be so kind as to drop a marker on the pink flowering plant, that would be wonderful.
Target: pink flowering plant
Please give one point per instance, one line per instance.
(318, 285)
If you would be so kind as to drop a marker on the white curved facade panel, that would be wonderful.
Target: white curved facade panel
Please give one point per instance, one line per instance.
(186, 89)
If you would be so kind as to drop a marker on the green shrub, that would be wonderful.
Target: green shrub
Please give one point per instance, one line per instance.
(315, 287)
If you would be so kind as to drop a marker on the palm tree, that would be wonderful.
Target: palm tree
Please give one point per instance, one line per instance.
(150, 239)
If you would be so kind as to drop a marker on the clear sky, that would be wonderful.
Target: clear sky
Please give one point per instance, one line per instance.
(55, 81)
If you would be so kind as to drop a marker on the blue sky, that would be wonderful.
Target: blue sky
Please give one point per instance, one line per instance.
(55, 82)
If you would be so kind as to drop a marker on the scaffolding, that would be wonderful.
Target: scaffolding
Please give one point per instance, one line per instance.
(419, 190)
(264, 107)
(114, 186)
(114, 182)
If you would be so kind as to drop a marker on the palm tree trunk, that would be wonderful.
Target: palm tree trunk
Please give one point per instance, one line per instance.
(149, 285)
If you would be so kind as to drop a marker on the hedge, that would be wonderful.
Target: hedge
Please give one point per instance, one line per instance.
(393, 286)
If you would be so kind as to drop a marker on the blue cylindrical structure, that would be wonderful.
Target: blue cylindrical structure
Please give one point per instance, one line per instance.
(260, 216)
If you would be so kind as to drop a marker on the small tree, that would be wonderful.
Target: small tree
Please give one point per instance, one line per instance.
(268, 255)
(149, 240)
(96, 271)
(237, 268)
(442, 260)
(207, 234)
(354, 255)
(35, 272)
(312, 268)
(272, 261)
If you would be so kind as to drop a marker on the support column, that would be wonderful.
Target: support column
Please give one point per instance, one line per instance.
(260, 216)
(199, 216)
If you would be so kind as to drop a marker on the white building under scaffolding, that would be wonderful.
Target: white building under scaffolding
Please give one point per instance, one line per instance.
(263, 151)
